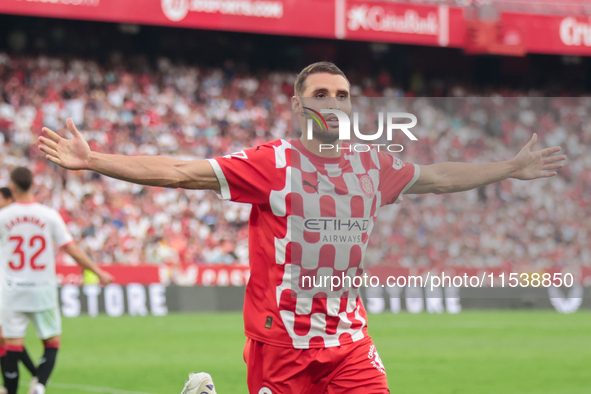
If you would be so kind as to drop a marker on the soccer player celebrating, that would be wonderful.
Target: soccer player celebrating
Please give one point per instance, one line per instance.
(304, 344)
(28, 233)
(5, 200)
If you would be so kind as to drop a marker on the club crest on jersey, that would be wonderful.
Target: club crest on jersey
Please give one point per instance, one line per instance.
(367, 186)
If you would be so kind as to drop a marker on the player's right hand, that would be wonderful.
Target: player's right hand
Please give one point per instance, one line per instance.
(105, 278)
(73, 154)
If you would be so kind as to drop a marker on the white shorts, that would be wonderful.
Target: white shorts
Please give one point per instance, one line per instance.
(47, 323)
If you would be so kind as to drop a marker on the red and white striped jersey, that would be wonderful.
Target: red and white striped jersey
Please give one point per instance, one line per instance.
(311, 217)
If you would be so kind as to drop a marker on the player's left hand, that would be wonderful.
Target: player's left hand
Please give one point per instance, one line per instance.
(105, 278)
(536, 164)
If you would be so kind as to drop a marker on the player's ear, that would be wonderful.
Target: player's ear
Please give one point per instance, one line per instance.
(296, 105)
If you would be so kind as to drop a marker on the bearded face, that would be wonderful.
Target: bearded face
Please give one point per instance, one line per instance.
(323, 91)
(325, 127)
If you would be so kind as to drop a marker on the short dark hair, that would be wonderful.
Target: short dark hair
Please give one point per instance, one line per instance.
(22, 178)
(6, 193)
(315, 68)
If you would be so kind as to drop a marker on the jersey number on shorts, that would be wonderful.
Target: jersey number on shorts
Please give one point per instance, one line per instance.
(36, 241)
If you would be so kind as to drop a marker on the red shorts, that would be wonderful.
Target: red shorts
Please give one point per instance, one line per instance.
(353, 369)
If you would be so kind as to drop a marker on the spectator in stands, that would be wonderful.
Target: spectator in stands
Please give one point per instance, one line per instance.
(192, 112)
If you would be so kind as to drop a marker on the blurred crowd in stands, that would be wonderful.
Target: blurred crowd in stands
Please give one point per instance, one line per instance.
(190, 113)
(580, 7)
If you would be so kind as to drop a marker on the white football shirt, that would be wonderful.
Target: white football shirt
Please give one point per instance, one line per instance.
(30, 235)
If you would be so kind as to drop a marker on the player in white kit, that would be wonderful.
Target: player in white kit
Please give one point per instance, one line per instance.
(30, 235)
(5, 200)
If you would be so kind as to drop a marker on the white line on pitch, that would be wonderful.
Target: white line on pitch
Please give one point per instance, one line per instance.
(93, 388)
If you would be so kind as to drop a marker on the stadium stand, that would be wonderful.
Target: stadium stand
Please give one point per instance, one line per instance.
(552, 7)
(193, 112)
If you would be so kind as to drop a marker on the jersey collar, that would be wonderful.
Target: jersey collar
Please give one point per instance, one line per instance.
(314, 158)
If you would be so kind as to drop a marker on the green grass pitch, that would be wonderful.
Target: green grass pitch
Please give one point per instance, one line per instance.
(472, 352)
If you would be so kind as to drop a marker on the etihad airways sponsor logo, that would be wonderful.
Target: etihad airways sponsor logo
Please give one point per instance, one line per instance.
(92, 3)
(338, 230)
(336, 224)
(177, 10)
(377, 19)
(575, 33)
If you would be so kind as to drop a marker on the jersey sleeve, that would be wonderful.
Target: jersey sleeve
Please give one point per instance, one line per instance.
(396, 177)
(59, 230)
(246, 176)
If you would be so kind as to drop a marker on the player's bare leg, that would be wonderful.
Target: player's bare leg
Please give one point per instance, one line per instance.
(199, 383)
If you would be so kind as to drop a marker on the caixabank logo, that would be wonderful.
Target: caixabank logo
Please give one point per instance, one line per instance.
(389, 121)
(376, 18)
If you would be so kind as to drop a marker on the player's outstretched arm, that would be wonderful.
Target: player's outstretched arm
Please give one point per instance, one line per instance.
(75, 154)
(84, 261)
(456, 177)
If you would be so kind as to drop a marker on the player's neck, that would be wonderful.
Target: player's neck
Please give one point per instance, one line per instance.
(321, 149)
(25, 198)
